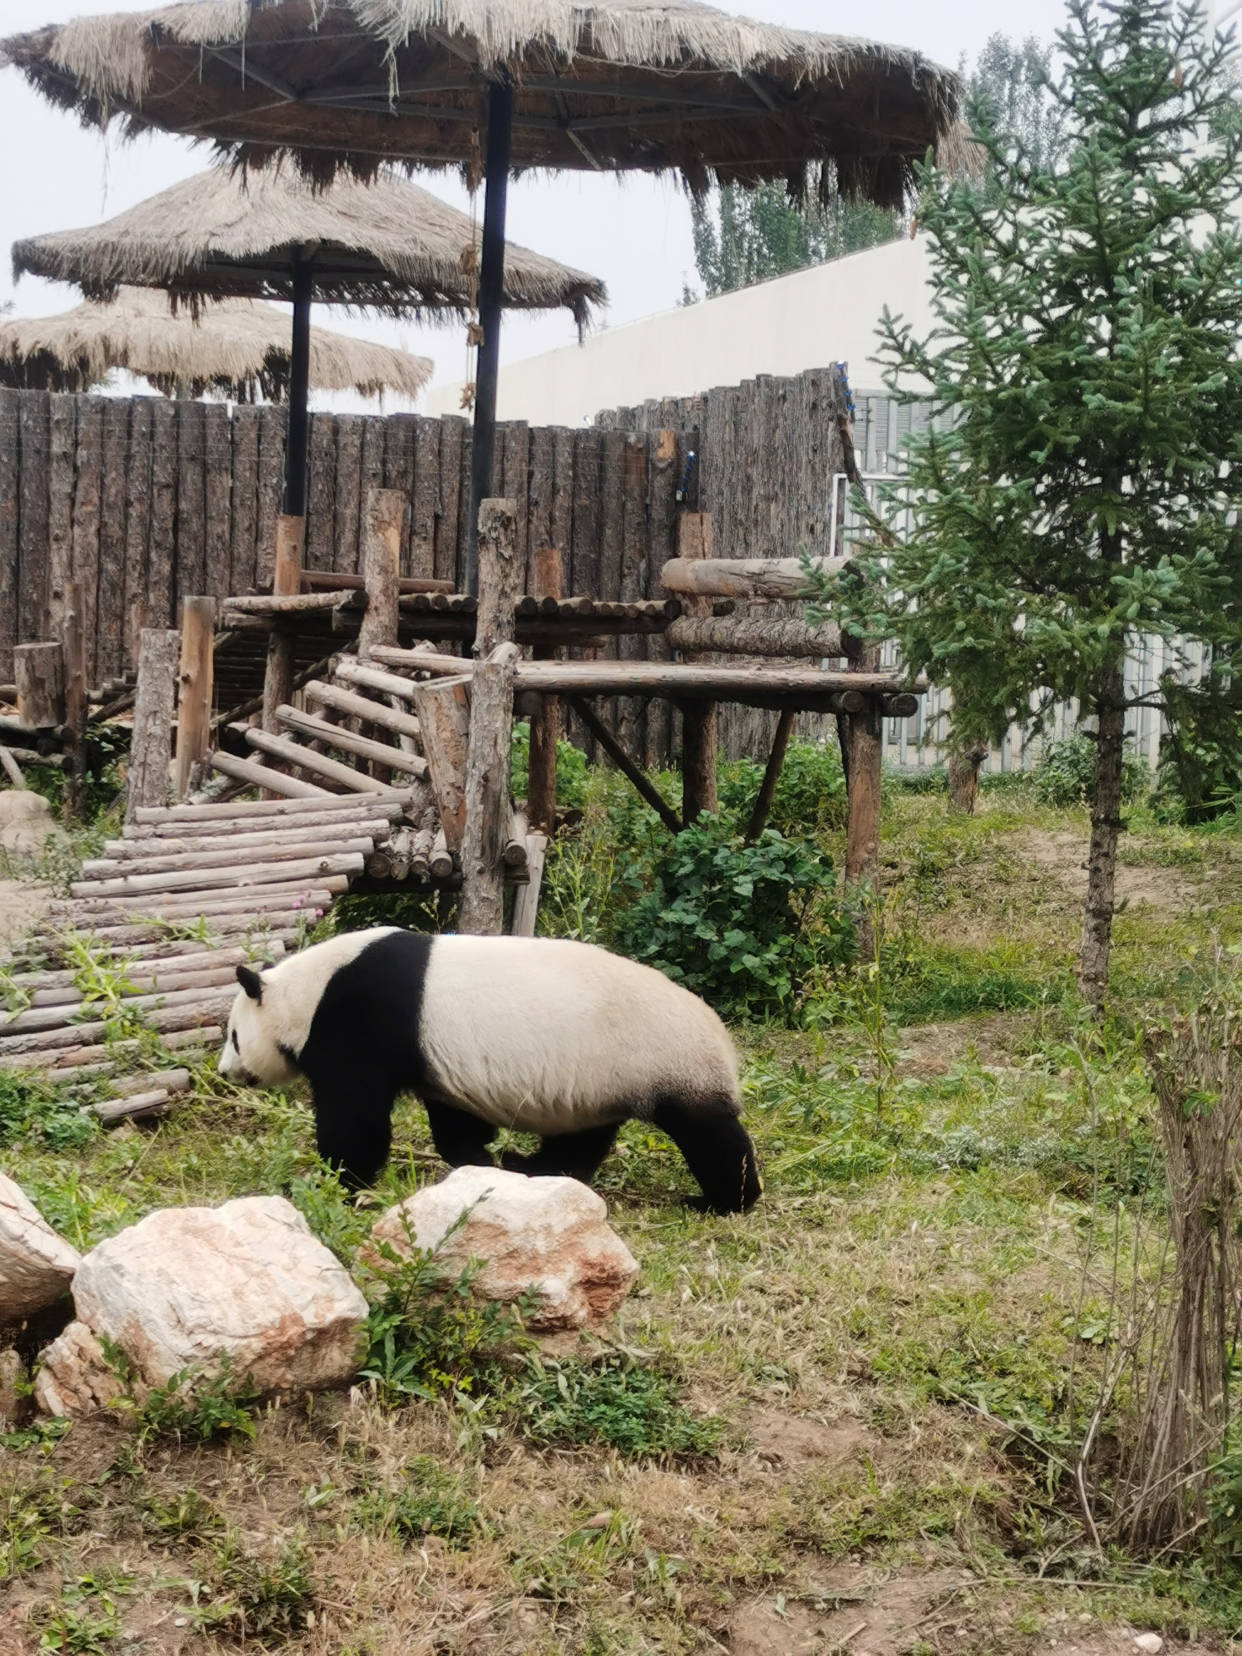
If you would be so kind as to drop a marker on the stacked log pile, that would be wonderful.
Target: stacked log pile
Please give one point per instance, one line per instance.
(155, 929)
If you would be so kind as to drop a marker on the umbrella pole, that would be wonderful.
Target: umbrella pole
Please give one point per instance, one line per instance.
(491, 294)
(299, 392)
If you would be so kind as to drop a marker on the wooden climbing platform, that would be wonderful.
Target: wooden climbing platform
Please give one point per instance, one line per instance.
(155, 928)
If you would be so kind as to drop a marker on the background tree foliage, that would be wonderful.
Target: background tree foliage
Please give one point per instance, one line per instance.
(746, 236)
(1083, 485)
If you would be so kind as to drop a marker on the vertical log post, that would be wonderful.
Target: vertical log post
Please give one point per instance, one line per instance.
(546, 724)
(194, 689)
(146, 780)
(39, 672)
(491, 299)
(488, 808)
(862, 756)
(500, 577)
(698, 719)
(382, 522)
(75, 696)
(488, 804)
(698, 759)
(862, 834)
(526, 899)
(286, 583)
(443, 710)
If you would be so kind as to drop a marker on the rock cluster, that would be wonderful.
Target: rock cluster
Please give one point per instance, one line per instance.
(245, 1287)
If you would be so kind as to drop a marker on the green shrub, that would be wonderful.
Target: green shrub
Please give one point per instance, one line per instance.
(427, 1338)
(810, 794)
(1065, 774)
(32, 1112)
(571, 769)
(190, 1407)
(740, 924)
(1199, 776)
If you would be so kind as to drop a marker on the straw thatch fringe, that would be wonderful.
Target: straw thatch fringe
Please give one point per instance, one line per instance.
(238, 347)
(387, 246)
(656, 85)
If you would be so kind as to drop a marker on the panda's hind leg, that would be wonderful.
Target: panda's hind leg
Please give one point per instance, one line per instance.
(570, 1155)
(461, 1139)
(717, 1150)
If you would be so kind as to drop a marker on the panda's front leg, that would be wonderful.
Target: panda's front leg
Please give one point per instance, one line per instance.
(353, 1124)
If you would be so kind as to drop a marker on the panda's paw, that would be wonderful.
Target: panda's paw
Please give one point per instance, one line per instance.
(514, 1162)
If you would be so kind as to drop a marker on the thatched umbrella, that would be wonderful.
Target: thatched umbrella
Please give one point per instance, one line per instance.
(655, 85)
(387, 246)
(239, 347)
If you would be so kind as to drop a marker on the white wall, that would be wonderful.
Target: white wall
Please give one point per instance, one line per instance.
(826, 314)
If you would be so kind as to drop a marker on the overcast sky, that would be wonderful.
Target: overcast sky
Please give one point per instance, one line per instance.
(635, 235)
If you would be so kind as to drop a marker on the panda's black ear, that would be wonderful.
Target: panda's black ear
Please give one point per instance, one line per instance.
(251, 982)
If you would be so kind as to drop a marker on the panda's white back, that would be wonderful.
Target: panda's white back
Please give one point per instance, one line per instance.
(547, 1036)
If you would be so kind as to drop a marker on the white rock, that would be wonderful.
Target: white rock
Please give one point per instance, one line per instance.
(1150, 1643)
(74, 1376)
(36, 1265)
(189, 1288)
(549, 1235)
(26, 821)
(11, 1373)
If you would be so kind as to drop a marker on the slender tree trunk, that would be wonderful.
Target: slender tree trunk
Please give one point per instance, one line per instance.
(964, 766)
(1097, 924)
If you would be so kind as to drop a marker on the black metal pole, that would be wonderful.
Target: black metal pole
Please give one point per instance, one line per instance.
(299, 392)
(491, 294)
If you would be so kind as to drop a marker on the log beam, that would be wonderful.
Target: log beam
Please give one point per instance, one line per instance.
(500, 577)
(745, 577)
(40, 673)
(698, 759)
(779, 636)
(444, 719)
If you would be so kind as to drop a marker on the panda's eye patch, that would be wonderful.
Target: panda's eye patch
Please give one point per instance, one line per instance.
(236, 1042)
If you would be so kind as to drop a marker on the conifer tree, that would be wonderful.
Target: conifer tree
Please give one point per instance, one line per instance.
(1083, 486)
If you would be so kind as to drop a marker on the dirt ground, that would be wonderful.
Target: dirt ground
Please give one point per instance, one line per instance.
(1063, 855)
(22, 902)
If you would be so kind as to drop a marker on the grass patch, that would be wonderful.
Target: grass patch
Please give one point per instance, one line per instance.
(884, 1364)
(616, 1403)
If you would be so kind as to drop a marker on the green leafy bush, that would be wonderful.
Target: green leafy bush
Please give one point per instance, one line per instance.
(740, 924)
(427, 1338)
(1200, 772)
(810, 794)
(190, 1407)
(571, 769)
(31, 1111)
(1065, 774)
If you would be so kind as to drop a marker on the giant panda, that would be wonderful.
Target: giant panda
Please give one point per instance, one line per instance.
(543, 1035)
